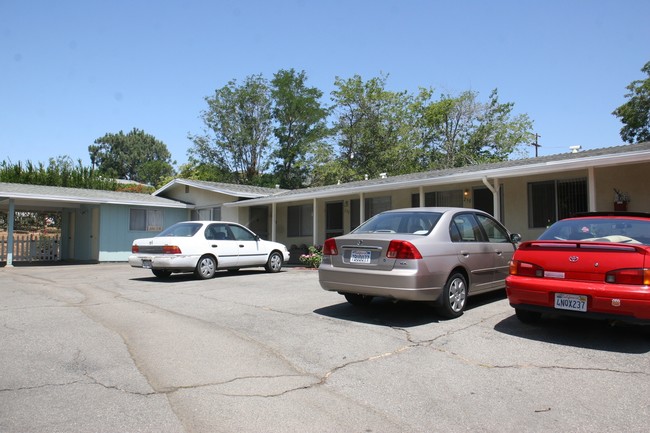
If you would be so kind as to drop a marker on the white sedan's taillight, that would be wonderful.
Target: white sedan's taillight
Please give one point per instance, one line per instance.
(171, 249)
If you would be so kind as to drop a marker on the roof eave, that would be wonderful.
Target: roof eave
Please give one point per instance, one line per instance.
(475, 176)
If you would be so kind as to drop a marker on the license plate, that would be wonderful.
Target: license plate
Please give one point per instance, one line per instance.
(564, 301)
(358, 256)
(146, 264)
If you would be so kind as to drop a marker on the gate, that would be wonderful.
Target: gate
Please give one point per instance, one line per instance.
(32, 247)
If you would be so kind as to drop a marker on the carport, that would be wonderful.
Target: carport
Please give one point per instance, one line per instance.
(81, 211)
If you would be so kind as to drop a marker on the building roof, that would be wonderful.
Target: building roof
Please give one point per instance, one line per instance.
(39, 196)
(34, 197)
(603, 157)
(234, 190)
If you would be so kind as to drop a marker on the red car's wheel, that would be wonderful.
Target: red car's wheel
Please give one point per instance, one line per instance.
(527, 316)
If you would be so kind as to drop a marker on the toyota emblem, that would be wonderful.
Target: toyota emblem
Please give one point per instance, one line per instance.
(573, 259)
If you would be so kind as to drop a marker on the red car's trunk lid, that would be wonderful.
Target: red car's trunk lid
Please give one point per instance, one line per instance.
(581, 260)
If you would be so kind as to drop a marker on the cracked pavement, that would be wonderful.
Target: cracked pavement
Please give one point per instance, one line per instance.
(109, 348)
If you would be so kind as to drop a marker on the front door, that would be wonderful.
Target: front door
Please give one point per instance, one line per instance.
(333, 219)
(259, 221)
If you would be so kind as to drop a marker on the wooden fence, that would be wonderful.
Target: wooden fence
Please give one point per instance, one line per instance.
(32, 247)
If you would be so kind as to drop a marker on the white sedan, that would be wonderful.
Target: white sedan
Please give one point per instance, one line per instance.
(203, 247)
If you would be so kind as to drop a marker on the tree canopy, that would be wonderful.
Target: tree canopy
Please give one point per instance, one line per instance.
(238, 129)
(279, 132)
(60, 171)
(282, 132)
(635, 113)
(300, 126)
(136, 156)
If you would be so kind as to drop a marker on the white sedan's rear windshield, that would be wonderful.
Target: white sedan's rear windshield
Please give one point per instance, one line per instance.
(417, 223)
(623, 230)
(186, 230)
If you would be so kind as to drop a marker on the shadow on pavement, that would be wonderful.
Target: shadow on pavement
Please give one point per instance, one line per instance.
(402, 314)
(583, 333)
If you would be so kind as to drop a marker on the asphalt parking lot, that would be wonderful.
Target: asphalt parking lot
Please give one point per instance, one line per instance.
(109, 348)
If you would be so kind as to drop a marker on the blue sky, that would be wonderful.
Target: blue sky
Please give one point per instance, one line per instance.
(72, 71)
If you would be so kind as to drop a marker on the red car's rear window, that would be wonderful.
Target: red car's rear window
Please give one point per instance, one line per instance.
(601, 229)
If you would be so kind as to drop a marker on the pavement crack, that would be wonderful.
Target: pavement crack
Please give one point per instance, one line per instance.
(41, 386)
(361, 361)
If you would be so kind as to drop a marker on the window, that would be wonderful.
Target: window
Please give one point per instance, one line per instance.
(240, 233)
(553, 200)
(417, 223)
(453, 198)
(493, 230)
(150, 220)
(217, 232)
(206, 214)
(300, 220)
(465, 228)
(373, 206)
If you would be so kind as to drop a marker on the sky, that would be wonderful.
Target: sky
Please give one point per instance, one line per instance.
(72, 71)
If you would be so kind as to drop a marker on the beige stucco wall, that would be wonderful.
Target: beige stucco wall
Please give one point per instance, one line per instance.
(629, 178)
(632, 179)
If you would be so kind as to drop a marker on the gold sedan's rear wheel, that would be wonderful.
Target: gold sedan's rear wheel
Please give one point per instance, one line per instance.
(454, 297)
(357, 299)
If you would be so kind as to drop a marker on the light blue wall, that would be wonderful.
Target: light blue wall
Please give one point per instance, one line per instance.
(115, 238)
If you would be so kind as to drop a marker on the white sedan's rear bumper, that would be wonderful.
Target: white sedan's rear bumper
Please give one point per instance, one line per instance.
(173, 263)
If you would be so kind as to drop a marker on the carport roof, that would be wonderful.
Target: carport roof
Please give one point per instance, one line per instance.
(625, 154)
(34, 197)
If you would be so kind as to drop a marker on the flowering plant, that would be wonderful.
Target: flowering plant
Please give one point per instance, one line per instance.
(314, 257)
(621, 197)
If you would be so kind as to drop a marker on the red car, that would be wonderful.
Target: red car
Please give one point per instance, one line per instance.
(594, 265)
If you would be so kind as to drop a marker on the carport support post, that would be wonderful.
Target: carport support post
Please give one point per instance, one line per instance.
(10, 233)
(314, 216)
(274, 221)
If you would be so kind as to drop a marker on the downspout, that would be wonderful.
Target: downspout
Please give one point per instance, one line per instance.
(10, 233)
(495, 196)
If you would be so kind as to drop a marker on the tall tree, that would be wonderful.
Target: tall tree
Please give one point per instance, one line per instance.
(374, 128)
(635, 113)
(300, 125)
(136, 156)
(460, 130)
(238, 131)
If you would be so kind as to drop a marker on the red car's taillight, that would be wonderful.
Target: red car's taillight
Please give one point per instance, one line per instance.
(135, 249)
(402, 250)
(329, 249)
(171, 249)
(525, 269)
(639, 276)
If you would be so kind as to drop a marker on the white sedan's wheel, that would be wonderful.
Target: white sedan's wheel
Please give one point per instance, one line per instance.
(206, 267)
(274, 263)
